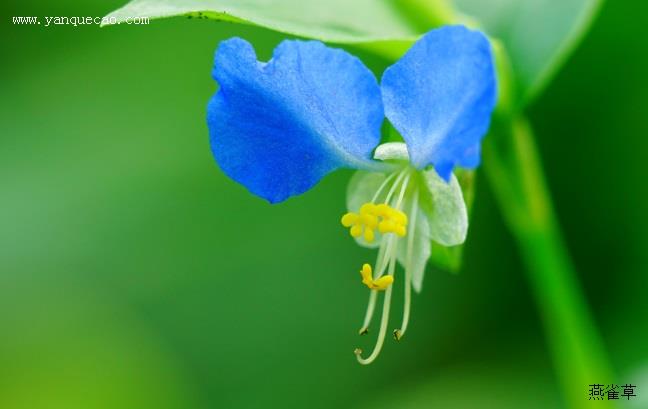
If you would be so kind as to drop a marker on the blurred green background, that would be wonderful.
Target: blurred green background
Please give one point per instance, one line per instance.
(134, 274)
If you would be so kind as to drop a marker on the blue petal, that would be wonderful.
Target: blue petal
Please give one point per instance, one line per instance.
(440, 96)
(279, 127)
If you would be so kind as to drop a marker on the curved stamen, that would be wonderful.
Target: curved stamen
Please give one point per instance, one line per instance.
(398, 333)
(382, 186)
(395, 185)
(381, 266)
(381, 263)
(402, 192)
(371, 306)
(385, 313)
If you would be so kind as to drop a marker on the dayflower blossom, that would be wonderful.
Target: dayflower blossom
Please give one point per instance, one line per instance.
(279, 127)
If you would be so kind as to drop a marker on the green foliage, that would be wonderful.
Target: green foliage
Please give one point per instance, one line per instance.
(340, 21)
(538, 34)
(536, 49)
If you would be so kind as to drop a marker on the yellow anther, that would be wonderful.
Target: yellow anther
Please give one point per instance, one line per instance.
(369, 220)
(386, 226)
(349, 219)
(371, 217)
(383, 210)
(368, 208)
(356, 230)
(399, 217)
(379, 284)
(366, 271)
(369, 234)
(383, 282)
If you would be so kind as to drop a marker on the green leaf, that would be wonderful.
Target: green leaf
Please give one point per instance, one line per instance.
(341, 21)
(447, 258)
(538, 34)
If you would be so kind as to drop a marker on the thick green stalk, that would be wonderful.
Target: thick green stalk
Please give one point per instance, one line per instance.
(513, 168)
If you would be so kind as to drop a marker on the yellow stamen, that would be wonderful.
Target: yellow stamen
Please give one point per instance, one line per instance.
(366, 272)
(371, 217)
(383, 282)
(386, 226)
(390, 220)
(383, 210)
(368, 208)
(380, 284)
(369, 220)
(399, 217)
(349, 219)
(369, 234)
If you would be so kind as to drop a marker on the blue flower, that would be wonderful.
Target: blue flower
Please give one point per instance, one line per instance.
(279, 127)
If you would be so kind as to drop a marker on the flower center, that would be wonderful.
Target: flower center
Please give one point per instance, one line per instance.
(385, 217)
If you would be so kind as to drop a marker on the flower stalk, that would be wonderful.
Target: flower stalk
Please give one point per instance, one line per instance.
(512, 166)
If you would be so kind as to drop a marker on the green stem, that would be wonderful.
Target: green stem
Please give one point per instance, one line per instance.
(423, 14)
(513, 168)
